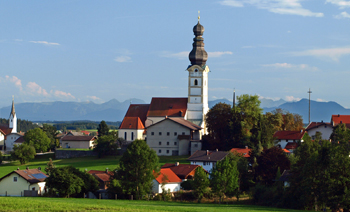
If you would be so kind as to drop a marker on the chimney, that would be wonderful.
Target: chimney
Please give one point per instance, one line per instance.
(180, 113)
(18, 169)
(107, 170)
(338, 115)
(217, 150)
(207, 152)
(27, 168)
(39, 168)
(85, 170)
(166, 117)
(246, 147)
(177, 164)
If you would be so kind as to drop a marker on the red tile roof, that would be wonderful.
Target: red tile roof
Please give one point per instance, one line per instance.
(132, 123)
(180, 121)
(30, 175)
(337, 119)
(5, 129)
(85, 132)
(78, 138)
(286, 150)
(291, 145)
(135, 117)
(313, 125)
(171, 107)
(20, 140)
(241, 151)
(102, 175)
(181, 170)
(167, 176)
(289, 135)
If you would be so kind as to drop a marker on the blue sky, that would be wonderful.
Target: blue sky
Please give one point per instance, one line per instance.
(98, 50)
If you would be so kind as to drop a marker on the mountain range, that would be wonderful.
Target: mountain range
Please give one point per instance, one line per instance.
(114, 110)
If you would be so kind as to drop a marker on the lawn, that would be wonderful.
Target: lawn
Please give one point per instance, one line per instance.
(89, 163)
(72, 204)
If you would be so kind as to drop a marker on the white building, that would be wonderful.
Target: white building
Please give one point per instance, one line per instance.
(325, 128)
(166, 180)
(207, 159)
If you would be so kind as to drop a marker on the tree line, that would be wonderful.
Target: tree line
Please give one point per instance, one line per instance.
(22, 125)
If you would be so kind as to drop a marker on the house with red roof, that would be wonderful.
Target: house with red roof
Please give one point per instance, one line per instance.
(21, 182)
(167, 180)
(289, 139)
(325, 128)
(103, 177)
(174, 136)
(244, 152)
(340, 119)
(183, 171)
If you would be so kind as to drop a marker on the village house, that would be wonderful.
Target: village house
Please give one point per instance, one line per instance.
(207, 159)
(103, 177)
(244, 152)
(289, 139)
(325, 128)
(183, 171)
(166, 180)
(77, 142)
(28, 182)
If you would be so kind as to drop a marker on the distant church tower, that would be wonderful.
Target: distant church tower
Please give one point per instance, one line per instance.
(13, 118)
(197, 105)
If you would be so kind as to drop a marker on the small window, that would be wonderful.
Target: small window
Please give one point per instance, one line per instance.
(175, 133)
(132, 136)
(175, 143)
(204, 163)
(160, 151)
(14, 179)
(160, 133)
(152, 133)
(195, 145)
(167, 143)
(160, 143)
(33, 188)
(183, 133)
(167, 151)
(168, 133)
(125, 136)
(196, 70)
(195, 82)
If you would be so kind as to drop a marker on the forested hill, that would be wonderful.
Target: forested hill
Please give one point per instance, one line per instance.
(22, 125)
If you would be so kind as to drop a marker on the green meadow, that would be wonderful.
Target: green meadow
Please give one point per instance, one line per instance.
(73, 204)
(89, 163)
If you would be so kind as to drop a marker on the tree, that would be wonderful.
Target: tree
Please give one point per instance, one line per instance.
(69, 180)
(49, 166)
(106, 145)
(340, 134)
(200, 183)
(102, 129)
(38, 139)
(137, 168)
(51, 133)
(291, 122)
(23, 152)
(224, 177)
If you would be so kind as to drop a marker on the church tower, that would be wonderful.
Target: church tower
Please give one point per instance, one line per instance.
(13, 118)
(197, 105)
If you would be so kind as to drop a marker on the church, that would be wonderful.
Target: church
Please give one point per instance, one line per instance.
(174, 126)
(8, 134)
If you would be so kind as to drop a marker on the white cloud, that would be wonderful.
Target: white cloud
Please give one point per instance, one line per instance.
(58, 93)
(288, 7)
(340, 3)
(292, 99)
(342, 15)
(218, 54)
(321, 100)
(184, 54)
(93, 98)
(34, 88)
(274, 99)
(16, 81)
(292, 66)
(123, 59)
(332, 53)
(45, 43)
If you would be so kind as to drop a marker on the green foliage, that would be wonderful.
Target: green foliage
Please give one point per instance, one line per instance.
(200, 183)
(0, 158)
(49, 167)
(86, 125)
(69, 180)
(22, 125)
(224, 178)
(187, 185)
(137, 167)
(51, 133)
(106, 145)
(38, 139)
(23, 152)
(102, 129)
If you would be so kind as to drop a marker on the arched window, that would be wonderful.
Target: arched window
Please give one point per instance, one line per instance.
(195, 82)
(196, 70)
(132, 136)
(125, 136)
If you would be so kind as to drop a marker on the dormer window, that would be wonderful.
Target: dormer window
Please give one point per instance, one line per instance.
(195, 70)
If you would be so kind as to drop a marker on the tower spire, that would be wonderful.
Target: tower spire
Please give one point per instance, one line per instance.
(13, 106)
(199, 17)
(234, 98)
(198, 55)
(309, 102)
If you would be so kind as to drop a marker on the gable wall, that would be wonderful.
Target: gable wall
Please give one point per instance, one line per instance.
(13, 188)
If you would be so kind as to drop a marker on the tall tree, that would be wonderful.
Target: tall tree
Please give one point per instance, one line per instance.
(23, 153)
(102, 129)
(51, 133)
(38, 139)
(224, 178)
(137, 168)
(106, 145)
(200, 183)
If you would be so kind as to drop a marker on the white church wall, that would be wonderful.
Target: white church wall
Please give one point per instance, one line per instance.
(194, 106)
(195, 115)
(195, 99)
(196, 91)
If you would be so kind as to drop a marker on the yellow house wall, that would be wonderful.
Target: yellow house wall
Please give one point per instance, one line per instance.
(13, 188)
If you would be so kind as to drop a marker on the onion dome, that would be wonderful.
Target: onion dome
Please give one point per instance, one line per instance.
(198, 55)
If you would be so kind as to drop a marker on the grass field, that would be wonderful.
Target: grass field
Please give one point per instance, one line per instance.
(89, 163)
(59, 204)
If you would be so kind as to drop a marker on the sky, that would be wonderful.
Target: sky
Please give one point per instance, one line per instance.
(83, 50)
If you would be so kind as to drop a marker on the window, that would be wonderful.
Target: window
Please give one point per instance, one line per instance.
(195, 82)
(195, 145)
(14, 179)
(33, 188)
(152, 133)
(196, 70)
(175, 133)
(125, 136)
(167, 151)
(204, 163)
(160, 133)
(175, 143)
(183, 133)
(160, 143)
(132, 136)
(160, 151)
(167, 143)
(168, 133)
